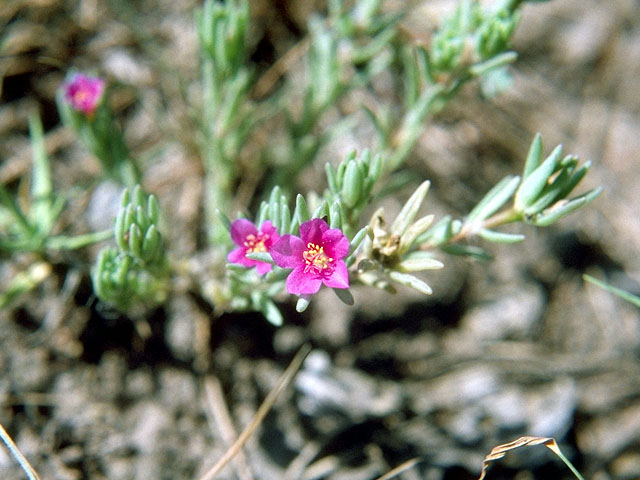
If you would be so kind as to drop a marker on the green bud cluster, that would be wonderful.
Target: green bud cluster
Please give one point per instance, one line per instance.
(118, 281)
(222, 29)
(472, 35)
(351, 186)
(136, 272)
(276, 209)
(136, 230)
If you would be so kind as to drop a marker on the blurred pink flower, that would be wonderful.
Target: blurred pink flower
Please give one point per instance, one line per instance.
(83, 92)
(316, 258)
(249, 240)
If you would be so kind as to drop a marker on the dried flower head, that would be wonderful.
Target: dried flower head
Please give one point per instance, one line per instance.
(316, 258)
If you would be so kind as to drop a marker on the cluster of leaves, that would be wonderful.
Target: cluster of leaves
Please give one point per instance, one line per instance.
(28, 222)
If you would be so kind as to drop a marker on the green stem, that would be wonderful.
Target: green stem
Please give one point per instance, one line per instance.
(219, 172)
(501, 218)
(7, 201)
(62, 242)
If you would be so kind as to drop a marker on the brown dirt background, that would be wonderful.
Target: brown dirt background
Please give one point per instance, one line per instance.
(517, 346)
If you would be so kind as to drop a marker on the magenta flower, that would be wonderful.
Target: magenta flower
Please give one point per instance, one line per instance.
(316, 258)
(249, 240)
(83, 92)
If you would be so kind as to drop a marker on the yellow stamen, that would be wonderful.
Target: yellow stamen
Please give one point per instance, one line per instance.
(315, 258)
(256, 243)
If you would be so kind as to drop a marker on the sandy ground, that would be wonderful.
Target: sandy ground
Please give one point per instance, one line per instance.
(517, 346)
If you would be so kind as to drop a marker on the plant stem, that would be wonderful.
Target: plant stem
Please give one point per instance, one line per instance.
(500, 218)
(62, 242)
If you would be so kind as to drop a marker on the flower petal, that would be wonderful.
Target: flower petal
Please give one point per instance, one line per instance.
(336, 244)
(268, 229)
(339, 278)
(240, 229)
(263, 267)
(312, 230)
(238, 256)
(287, 251)
(300, 283)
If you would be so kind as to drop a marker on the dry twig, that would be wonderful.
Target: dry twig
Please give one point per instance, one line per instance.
(264, 408)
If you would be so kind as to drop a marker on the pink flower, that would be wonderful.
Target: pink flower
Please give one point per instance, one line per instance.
(83, 92)
(249, 240)
(316, 258)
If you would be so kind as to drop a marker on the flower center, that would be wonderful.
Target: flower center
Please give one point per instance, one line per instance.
(82, 95)
(256, 243)
(315, 258)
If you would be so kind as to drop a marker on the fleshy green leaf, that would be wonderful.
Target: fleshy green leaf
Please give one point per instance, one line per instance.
(331, 178)
(564, 208)
(410, 209)
(223, 218)
(419, 261)
(345, 296)
(533, 184)
(260, 257)
(493, 200)
(302, 211)
(135, 240)
(411, 281)
(437, 235)
(351, 185)
(416, 229)
(500, 237)
(271, 313)
(302, 304)
(322, 211)
(498, 61)
(357, 239)
(41, 189)
(467, 251)
(153, 211)
(335, 215)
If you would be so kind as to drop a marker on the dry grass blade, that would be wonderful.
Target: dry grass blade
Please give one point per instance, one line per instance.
(264, 408)
(500, 451)
(13, 448)
(220, 416)
(400, 468)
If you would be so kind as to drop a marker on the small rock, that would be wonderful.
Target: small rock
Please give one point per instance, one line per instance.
(353, 393)
(177, 388)
(103, 206)
(512, 315)
(150, 420)
(180, 329)
(550, 410)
